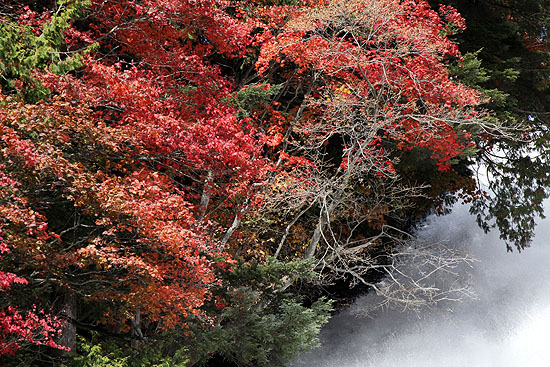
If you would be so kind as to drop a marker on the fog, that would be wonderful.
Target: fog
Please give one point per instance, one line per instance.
(507, 325)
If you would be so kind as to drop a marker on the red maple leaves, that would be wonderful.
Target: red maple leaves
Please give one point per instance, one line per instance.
(393, 52)
(17, 328)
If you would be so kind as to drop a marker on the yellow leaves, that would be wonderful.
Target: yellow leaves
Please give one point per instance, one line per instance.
(343, 89)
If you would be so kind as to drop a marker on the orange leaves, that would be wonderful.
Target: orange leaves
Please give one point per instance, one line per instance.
(115, 160)
(139, 230)
(169, 268)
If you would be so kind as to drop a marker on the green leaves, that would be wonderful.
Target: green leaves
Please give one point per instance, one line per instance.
(510, 67)
(33, 41)
(259, 325)
(254, 96)
(95, 353)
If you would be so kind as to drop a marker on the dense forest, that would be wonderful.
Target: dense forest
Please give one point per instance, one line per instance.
(202, 182)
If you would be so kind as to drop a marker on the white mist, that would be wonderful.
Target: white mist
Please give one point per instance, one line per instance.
(508, 325)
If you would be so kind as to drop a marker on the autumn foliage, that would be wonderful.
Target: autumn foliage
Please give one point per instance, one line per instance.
(20, 329)
(171, 134)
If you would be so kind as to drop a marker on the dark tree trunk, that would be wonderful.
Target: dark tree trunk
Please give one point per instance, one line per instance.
(69, 313)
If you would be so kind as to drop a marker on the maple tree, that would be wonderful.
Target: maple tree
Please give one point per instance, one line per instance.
(118, 222)
(20, 329)
(121, 160)
(373, 89)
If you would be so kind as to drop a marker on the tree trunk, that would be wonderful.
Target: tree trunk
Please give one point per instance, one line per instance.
(136, 333)
(205, 198)
(69, 313)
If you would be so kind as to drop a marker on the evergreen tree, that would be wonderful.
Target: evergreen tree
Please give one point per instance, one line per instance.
(507, 57)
